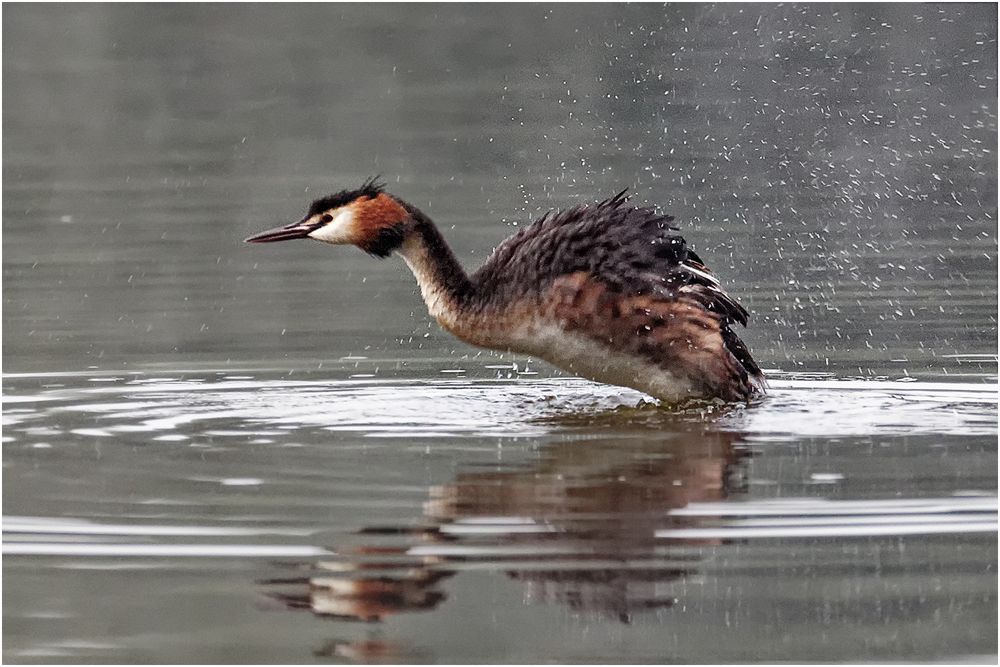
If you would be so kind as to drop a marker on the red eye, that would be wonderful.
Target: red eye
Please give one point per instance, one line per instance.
(327, 218)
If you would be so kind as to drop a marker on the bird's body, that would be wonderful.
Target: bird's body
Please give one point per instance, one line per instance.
(606, 291)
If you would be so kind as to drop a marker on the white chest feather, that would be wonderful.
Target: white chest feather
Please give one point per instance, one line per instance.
(587, 358)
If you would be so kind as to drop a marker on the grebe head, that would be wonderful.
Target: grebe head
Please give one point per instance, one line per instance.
(367, 217)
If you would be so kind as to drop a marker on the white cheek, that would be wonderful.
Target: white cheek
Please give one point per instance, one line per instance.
(339, 231)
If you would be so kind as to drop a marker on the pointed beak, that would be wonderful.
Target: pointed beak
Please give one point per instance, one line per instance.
(296, 230)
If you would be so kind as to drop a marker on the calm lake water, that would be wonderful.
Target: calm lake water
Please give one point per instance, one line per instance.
(215, 452)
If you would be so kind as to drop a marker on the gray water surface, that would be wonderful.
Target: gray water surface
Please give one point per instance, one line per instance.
(222, 453)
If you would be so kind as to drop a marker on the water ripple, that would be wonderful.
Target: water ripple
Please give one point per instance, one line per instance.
(449, 408)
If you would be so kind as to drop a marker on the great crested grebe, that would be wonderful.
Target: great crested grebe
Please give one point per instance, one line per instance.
(607, 291)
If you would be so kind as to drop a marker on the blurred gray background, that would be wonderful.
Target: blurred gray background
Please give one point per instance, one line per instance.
(835, 164)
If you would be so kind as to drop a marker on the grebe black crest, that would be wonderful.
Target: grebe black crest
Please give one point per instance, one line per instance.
(608, 291)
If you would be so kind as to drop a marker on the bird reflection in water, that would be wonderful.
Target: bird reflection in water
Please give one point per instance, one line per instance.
(578, 527)
(372, 650)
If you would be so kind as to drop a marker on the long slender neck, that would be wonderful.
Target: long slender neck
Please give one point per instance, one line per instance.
(444, 285)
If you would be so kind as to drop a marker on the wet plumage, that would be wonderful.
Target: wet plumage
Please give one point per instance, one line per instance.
(608, 291)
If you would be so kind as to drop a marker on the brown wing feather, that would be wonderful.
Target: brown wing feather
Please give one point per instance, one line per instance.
(632, 280)
(679, 335)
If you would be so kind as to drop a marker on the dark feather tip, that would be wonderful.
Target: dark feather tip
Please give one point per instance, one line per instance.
(370, 189)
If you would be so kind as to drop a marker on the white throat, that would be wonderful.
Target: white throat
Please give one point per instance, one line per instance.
(439, 305)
